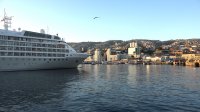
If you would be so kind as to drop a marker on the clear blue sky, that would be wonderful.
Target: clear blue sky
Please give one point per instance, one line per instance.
(119, 19)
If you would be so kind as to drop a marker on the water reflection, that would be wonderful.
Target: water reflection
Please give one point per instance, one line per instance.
(100, 88)
(22, 89)
(132, 75)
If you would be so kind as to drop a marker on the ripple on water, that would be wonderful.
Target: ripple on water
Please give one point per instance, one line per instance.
(102, 88)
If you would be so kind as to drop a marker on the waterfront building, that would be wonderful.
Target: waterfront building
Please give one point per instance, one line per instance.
(97, 56)
(191, 59)
(153, 59)
(134, 50)
(190, 56)
(89, 59)
(111, 55)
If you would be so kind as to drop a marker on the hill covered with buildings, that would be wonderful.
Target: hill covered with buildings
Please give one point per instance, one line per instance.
(146, 46)
(176, 51)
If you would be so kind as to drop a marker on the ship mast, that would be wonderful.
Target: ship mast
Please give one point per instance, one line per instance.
(7, 20)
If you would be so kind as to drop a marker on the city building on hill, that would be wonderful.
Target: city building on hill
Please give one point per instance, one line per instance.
(89, 59)
(192, 59)
(97, 56)
(113, 55)
(134, 50)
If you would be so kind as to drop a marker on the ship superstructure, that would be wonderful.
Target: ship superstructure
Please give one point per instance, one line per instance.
(27, 50)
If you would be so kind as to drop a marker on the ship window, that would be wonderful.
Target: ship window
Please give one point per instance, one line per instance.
(58, 55)
(2, 48)
(39, 54)
(10, 54)
(54, 46)
(58, 59)
(28, 54)
(43, 45)
(54, 59)
(44, 50)
(44, 59)
(22, 54)
(10, 43)
(39, 45)
(49, 59)
(49, 50)
(28, 49)
(10, 48)
(44, 54)
(50, 55)
(66, 59)
(76, 61)
(16, 54)
(33, 54)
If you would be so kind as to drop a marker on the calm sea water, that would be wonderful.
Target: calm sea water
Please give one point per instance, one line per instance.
(102, 88)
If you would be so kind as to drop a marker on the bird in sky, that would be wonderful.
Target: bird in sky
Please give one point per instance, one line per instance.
(96, 17)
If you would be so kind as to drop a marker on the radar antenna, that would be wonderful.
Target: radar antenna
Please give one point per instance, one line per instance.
(7, 20)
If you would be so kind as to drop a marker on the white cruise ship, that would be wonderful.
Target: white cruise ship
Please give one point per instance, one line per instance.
(27, 50)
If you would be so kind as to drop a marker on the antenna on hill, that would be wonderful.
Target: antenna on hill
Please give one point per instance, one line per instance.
(7, 20)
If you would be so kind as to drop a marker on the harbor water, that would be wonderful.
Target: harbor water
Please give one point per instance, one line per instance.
(102, 88)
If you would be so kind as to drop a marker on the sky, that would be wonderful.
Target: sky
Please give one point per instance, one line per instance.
(118, 19)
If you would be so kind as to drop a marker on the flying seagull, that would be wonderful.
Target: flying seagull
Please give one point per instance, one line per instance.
(96, 17)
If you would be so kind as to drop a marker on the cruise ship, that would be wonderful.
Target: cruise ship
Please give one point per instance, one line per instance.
(28, 50)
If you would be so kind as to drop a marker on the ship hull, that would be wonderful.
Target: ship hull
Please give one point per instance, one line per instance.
(31, 63)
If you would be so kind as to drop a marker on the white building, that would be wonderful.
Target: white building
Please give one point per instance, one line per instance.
(113, 55)
(97, 56)
(134, 50)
